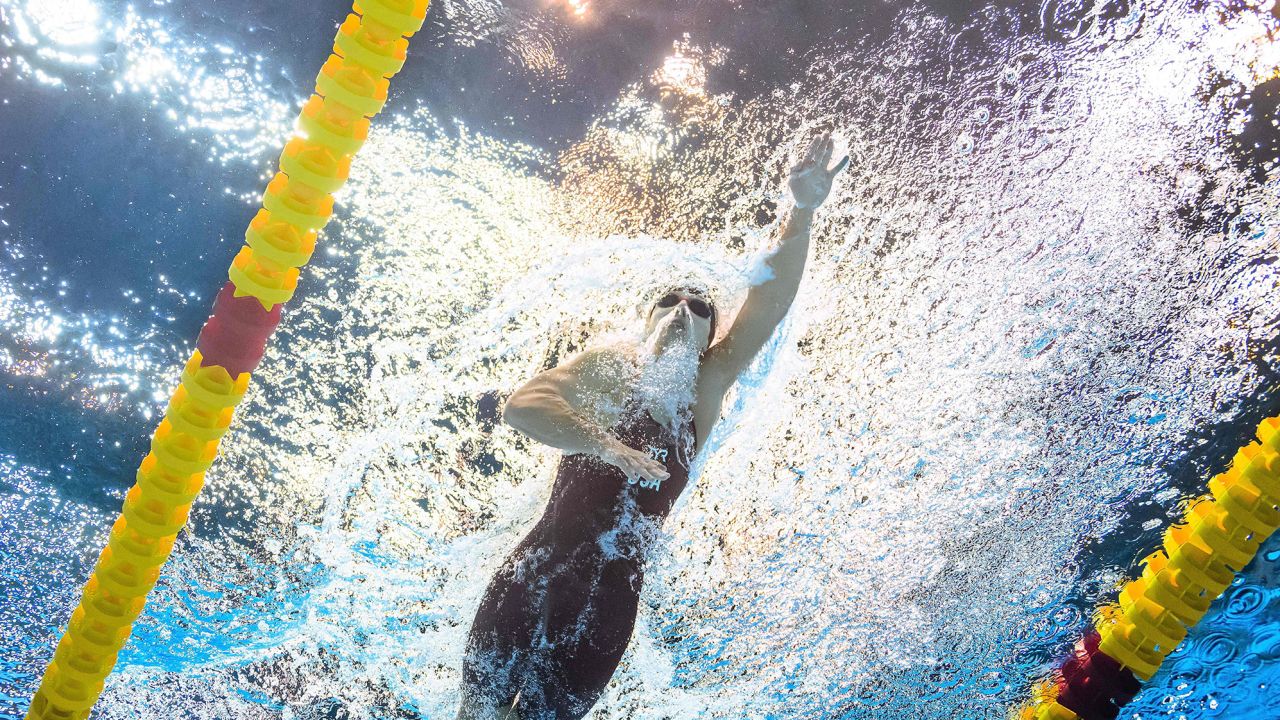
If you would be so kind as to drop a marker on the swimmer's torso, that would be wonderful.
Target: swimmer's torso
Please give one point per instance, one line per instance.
(595, 496)
(556, 618)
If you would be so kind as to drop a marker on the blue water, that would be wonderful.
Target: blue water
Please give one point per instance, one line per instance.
(1038, 316)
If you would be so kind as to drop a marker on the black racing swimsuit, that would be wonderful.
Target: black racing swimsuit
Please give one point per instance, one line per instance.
(558, 614)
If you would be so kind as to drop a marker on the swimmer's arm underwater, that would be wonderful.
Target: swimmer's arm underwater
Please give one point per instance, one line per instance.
(767, 303)
(550, 408)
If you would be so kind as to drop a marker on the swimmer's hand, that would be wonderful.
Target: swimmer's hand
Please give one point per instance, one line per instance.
(633, 463)
(810, 179)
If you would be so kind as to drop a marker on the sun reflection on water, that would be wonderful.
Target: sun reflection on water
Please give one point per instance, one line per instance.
(65, 23)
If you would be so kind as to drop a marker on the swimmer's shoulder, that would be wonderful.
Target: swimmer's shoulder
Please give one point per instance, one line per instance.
(608, 366)
(597, 381)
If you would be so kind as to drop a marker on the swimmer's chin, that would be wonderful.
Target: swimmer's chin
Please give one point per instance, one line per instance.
(671, 335)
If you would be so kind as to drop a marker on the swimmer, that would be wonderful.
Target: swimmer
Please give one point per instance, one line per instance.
(558, 614)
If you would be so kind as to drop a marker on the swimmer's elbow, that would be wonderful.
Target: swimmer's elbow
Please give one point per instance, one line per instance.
(523, 409)
(515, 411)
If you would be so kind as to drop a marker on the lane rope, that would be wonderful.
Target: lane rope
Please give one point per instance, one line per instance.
(370, 48)
(1219, 535)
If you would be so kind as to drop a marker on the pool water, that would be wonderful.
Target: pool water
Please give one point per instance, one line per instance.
(1038, 314)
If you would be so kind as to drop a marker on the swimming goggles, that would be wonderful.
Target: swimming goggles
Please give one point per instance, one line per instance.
(697, 305)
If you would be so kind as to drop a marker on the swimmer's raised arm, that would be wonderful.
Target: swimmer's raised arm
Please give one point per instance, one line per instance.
(767, 303)
(553, 408)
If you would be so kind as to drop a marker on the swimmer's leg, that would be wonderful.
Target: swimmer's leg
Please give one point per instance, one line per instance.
(498, 644)
(489, 685)
(589, 640)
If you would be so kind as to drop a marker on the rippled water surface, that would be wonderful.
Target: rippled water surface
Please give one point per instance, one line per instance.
(1039, 312)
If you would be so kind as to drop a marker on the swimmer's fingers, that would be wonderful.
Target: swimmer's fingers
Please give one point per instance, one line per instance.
(657, 471)
(844, 163)
(824, 151)
(636, 465)
(810, 153)
(653, 470)
(648, 468)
